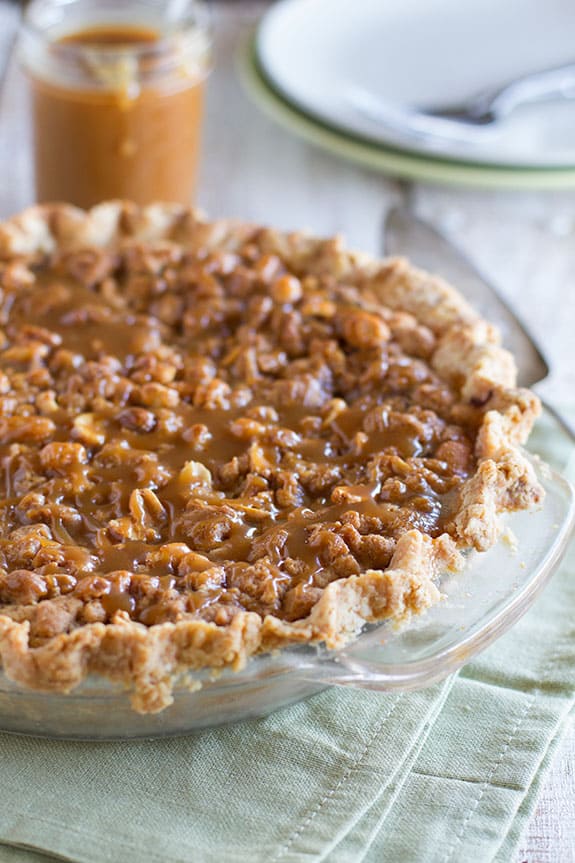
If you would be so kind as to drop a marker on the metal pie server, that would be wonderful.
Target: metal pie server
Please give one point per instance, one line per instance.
(428, 248)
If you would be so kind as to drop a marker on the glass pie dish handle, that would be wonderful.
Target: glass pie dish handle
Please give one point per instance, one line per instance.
(479, 604)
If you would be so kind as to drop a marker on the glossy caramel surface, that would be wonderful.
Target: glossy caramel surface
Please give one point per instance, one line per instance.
(192, 434)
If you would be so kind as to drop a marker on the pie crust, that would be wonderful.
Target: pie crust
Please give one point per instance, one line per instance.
(49, 641)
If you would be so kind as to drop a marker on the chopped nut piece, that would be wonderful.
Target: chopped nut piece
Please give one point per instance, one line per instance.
(158, 396)
(25, 429)
(198, 435)
(287, 289)
(137, 419)
(195, 473)
(145, 506)
(364, 330)
(89, 429)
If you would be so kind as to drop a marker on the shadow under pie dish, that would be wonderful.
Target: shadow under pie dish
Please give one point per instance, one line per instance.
(218, 440)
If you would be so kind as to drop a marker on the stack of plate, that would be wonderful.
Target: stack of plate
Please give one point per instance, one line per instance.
(312, 61)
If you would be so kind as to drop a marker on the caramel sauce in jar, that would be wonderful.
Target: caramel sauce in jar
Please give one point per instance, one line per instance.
(117, 112)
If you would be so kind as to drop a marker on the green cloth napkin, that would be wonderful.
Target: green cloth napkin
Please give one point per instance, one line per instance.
(444, 775)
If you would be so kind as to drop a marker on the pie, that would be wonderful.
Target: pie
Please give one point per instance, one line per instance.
(218, 440)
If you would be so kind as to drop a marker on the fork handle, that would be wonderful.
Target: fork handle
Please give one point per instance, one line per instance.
(535, 87)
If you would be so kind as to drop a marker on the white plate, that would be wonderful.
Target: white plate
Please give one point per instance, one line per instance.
(425, 54)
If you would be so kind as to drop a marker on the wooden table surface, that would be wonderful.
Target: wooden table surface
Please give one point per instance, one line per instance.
(254, 170)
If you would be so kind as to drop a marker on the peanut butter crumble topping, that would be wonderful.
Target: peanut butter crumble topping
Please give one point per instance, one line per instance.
(217, 440)
(188, 435)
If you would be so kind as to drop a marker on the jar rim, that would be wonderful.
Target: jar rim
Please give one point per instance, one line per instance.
(179, 44)
(169, 32)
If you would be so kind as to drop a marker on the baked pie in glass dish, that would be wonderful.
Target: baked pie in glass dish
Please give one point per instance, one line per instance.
(218, 440)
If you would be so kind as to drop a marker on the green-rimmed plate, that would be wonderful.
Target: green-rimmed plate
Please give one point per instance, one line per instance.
(389, 160)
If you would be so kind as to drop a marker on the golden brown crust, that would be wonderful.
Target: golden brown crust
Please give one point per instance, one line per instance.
(463, 349)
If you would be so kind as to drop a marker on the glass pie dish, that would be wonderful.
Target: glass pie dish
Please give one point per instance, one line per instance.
(481, 603)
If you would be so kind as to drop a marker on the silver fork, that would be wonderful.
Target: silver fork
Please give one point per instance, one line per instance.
(472, 118)
(491, 106)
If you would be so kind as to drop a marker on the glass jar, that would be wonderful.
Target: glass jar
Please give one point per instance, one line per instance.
(117, 97)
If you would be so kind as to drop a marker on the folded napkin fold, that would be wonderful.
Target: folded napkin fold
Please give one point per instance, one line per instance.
(444, 775)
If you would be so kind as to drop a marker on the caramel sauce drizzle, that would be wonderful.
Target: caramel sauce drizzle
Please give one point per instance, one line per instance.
(78, 323)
